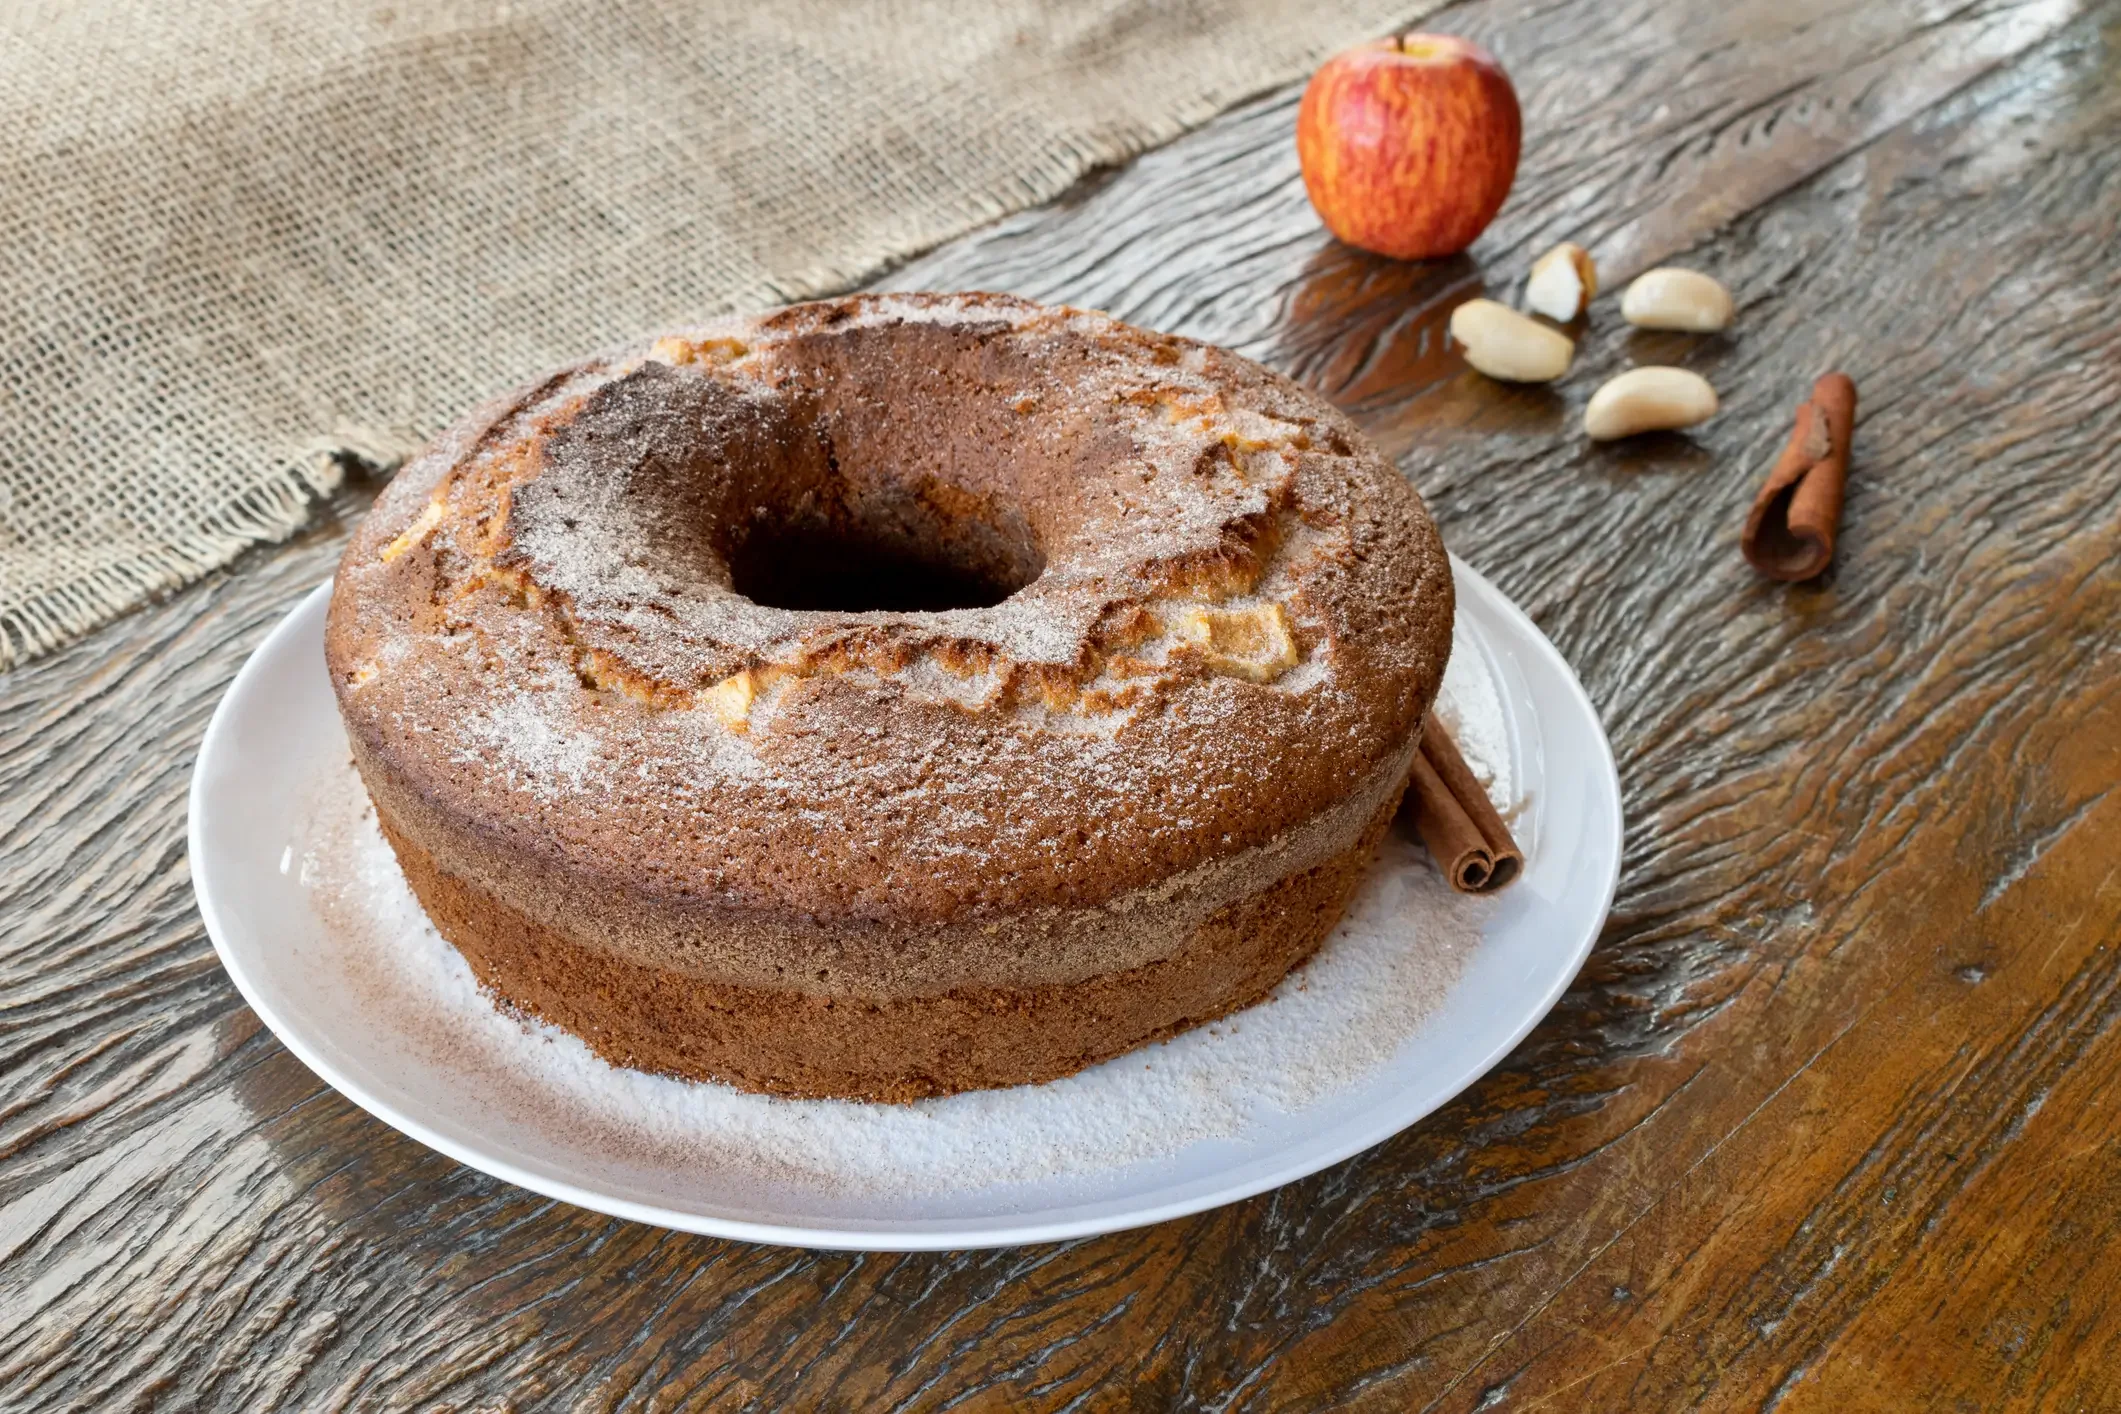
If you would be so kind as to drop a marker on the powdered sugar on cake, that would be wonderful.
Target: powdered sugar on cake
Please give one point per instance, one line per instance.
(1391, 963)
(542, 622)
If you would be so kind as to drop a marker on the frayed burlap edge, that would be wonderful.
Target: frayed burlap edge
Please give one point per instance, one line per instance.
(271, 512)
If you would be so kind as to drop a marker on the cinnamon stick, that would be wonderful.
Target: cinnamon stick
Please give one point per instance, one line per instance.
(1457, 821)
(1790, 533)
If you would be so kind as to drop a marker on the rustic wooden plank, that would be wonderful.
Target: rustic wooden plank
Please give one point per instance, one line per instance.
(1822, 1124)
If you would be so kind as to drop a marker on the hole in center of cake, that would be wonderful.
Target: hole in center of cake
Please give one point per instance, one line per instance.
(886, 504)
(853, 567)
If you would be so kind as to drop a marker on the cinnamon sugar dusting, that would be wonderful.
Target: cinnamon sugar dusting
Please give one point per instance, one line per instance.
(1229, 607)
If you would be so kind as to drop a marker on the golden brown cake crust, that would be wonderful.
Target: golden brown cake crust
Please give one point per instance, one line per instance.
(1206, 620)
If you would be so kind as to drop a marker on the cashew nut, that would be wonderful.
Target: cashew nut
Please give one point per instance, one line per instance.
(1648, 400)
(1671, 298)
(1504, 344)
(1562, 283)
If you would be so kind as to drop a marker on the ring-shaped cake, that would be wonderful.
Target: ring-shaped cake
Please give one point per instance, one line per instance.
(893, 695)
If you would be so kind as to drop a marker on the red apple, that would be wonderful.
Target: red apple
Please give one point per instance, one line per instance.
(1409, 145)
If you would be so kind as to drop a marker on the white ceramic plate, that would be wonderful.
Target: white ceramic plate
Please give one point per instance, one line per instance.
(276, 737)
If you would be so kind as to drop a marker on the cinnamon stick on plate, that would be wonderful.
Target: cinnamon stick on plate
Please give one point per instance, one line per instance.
(1790, 534)
(1456, 820)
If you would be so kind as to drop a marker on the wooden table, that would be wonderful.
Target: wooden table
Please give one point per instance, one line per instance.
(1829, 1120)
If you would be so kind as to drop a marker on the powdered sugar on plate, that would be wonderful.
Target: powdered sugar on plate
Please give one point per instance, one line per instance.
(1470, 707)
(1387, 968)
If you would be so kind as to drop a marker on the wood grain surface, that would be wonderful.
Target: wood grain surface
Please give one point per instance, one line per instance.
(1829, 1120)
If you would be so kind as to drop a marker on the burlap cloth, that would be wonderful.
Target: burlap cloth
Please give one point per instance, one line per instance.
(247, 243)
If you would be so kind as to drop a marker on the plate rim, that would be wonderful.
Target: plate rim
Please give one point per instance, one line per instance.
(900, 1235)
